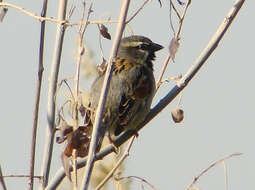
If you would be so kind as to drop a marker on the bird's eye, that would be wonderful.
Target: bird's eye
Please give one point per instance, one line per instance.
(141, 46)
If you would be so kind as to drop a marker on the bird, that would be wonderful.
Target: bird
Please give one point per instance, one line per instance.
(131, 88)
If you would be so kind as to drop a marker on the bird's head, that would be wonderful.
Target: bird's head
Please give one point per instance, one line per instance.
(138, 48)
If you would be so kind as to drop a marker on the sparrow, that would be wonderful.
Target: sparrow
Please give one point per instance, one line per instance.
(131, 88)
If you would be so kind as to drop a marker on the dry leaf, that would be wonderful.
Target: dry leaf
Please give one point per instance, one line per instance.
(173, 48)
(104, 32)
(3, 12)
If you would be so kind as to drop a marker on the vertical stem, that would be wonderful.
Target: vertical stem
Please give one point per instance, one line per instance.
(38, 93)
(2, 183)
(101, 103)
(50, 130)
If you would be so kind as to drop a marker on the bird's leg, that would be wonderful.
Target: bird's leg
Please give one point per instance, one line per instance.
(116, 148)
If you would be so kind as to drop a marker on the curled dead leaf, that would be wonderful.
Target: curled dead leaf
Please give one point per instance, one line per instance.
(173, 48)
(76, 140)
(3, 11)
(104, 32)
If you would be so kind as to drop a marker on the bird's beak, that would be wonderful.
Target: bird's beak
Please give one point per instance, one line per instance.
(156, 47)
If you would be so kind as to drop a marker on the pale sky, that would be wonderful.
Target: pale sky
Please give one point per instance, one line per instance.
(218, 103)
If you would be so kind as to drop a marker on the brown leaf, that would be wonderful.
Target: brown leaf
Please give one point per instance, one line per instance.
(79, 140)
(76, 140)
(104, 32)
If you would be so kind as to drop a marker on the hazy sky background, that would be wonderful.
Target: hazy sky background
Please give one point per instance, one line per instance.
(218, 103)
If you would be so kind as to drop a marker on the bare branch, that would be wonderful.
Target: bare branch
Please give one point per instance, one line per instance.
(225, 174)
(50, 130)
(163, 69)
(175, 10)
(38, 94)
(210, 167)
(92, 22)
(2, 183)
(137, 178)
(104, 92)
(51, 19)
(22, 176)
(31, 14)
(134, 15)
(174, 44)
(81, 50)
(124, 156)
(182, 19)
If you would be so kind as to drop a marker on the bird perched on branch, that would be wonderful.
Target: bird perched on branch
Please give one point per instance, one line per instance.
(131, 88)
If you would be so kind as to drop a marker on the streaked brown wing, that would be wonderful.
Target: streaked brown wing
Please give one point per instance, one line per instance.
(131, 100)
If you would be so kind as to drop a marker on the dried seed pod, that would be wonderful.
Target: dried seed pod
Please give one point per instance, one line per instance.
(177, 115)
(104, 32)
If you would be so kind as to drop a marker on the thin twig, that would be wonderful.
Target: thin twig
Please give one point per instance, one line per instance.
(137, 178)
(68, 86)
(182, 19)
(210, 167)
(100, 43)
(103, 95)
(163, 69)
(170, 17)
(177, 38)
(92, 22)
(41, 18)
(225, 175)
(2, 183)
(51, 19)
(133, 16)
(59, 176)
(174, 78)
(175, 10)
(81, 50)
(50, 129)
(38, 94)
(124, 156)
(22, 176)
